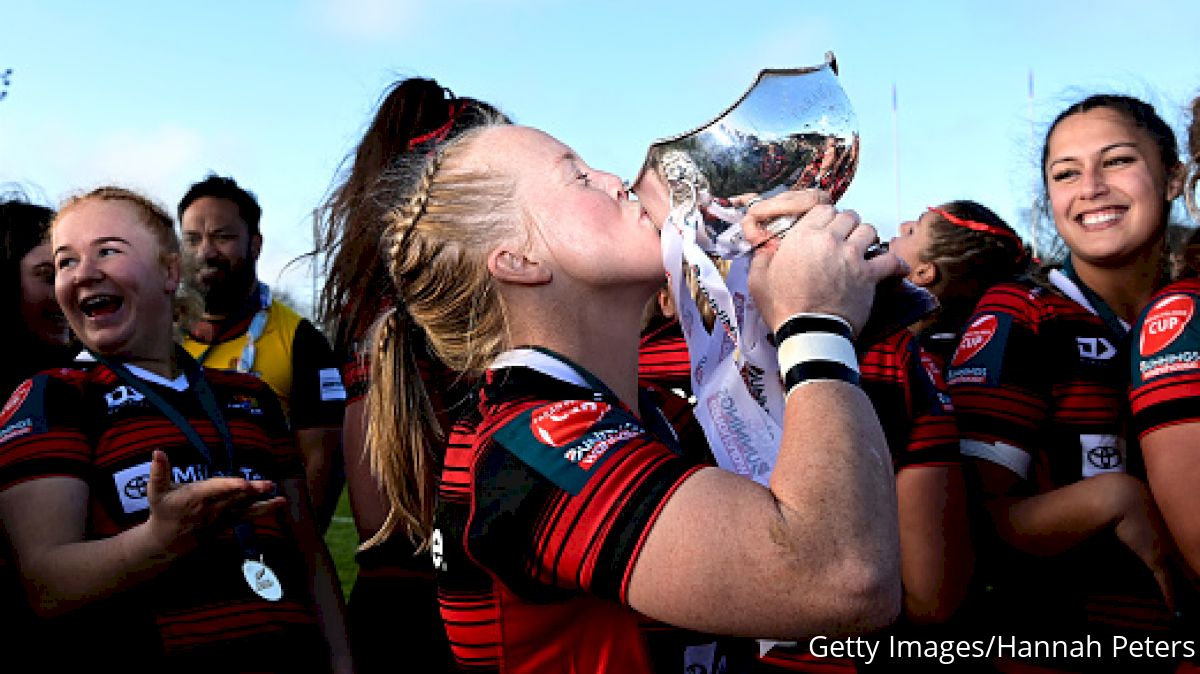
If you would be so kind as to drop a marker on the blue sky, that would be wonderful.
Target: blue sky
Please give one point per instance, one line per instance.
(156, 94)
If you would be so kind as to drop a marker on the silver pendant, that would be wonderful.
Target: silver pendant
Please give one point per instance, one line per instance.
(262, 580)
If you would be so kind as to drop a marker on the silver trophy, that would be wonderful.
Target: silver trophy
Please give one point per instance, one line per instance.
(792, 129)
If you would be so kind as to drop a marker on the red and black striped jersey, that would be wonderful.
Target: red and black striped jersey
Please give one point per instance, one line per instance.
(1045, 378)
(663, 357)
(89, 425)
(908, 393)
(1165, 373)
(1039, 384)
(548, 491)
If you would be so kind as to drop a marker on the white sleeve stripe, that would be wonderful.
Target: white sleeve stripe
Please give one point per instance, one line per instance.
(1013, 458)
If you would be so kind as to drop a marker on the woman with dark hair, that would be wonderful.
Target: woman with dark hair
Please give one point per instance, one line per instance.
(1039, 384)
(392, 610)
(41, 339)
(957, 251)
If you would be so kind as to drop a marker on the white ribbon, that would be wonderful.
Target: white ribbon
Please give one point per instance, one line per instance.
(734, 369)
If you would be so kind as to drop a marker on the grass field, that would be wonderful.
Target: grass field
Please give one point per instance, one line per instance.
(342, 539)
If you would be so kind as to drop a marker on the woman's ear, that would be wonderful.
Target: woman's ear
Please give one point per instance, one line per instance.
(925, 274)
(517, 268)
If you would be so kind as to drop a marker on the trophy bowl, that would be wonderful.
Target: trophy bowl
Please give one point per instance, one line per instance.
(794, 128)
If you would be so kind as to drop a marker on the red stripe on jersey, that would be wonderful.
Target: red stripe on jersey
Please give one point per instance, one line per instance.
(641, 543)
(53, 446)
(563, 539)
(893, 375)
(189, 629)
(1086, 403)
(533, 572)
(1004, 403)
(1126, 612)
(473, 627)
(1156, 392)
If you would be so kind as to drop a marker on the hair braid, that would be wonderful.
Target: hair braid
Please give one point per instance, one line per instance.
(435, 243)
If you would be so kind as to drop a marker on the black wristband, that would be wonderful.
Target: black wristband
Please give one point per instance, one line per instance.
(801, 323)
(817, 370)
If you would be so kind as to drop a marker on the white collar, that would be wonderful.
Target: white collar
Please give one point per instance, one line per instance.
(1068, 287)
(179, 383)
(541, 362)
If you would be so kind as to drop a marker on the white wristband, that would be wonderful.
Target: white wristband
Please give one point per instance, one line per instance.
(816, 346)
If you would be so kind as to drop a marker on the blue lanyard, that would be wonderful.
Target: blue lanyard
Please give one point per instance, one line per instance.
(208, 402)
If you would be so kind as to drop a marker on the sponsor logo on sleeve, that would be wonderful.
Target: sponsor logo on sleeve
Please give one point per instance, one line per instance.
(979, 357)
(562, 422)
(932, 369)
(1164, 323)
(976, 336)
(331, 385)
(930, 366)
(15, 401)
(564, 441)
(16, 429)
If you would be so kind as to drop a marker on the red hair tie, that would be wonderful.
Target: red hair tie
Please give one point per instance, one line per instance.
(439, 134)
(976, 226)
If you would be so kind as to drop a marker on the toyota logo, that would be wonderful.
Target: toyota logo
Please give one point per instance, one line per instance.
(136, 488)
(1104, 457)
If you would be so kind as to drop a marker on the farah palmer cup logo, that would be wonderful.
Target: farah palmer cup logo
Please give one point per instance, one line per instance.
(948, 651)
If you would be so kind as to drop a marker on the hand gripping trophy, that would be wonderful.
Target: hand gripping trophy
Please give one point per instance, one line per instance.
(793, 129)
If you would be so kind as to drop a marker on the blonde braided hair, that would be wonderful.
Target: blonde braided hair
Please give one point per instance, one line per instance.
(446, 218)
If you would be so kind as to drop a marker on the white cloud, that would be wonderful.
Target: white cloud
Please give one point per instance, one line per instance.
(370, 20)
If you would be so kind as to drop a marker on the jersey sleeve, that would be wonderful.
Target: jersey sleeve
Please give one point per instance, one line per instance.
(914, 409)
(318, 397)
(41, 433)
(575, 487)
(933, 440)
(999, 378)
(1165, 373)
